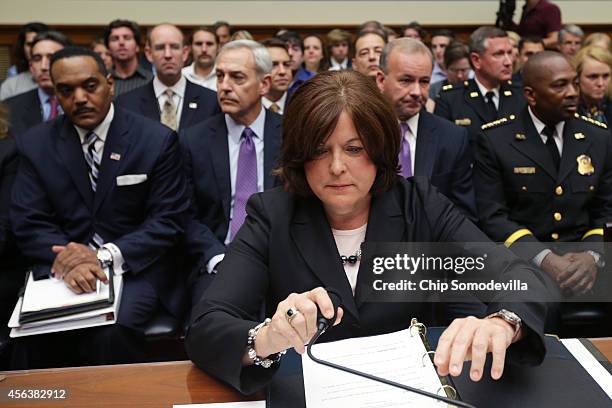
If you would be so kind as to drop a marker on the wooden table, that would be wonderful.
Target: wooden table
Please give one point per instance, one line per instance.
(138, 385)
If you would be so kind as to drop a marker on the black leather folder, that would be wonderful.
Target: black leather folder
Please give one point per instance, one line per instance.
(559, 382)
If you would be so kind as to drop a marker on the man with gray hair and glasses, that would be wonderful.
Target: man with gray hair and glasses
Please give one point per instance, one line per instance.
(570, 40)
(490, 94)
(230, 156)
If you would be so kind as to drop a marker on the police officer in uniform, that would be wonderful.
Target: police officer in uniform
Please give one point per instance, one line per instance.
(490, 94)
(545, 176)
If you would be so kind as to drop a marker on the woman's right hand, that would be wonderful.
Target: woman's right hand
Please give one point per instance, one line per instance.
(282, 334)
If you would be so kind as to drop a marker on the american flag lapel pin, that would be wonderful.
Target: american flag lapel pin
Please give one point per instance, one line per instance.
(115, 156)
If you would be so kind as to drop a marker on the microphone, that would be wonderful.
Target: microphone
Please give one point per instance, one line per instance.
(323, 324)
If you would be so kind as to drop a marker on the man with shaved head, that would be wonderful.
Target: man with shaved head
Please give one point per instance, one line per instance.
(543, 178)
(170, 98)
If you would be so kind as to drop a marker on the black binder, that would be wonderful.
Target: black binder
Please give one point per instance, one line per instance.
(287, 387)
(29, 317)
(559, 382)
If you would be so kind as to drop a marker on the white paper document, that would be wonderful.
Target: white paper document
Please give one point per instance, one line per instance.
(243, 404)
(590, 364)
(91, 318)
(398, 357)
(54, 293)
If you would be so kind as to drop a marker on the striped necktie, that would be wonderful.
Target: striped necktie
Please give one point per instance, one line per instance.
(93, 159)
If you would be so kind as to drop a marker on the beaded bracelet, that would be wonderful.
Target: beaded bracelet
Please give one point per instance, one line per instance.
(263, 362)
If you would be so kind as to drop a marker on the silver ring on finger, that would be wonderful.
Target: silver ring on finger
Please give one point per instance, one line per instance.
(291, 313)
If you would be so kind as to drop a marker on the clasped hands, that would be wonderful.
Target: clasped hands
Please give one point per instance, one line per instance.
(465, 339)
(575, 272)
(78, 266)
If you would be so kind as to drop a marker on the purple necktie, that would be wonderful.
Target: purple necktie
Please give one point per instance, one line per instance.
(404, 156)
(53, 103)
(246, 180)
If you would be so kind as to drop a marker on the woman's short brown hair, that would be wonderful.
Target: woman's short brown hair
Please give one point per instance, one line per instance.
(312, 115)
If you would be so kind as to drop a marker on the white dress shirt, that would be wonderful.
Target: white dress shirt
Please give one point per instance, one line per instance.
(209, 81)
(411, 137)
(338, 66)
(177, 98)
(483, 91)
(102, 131)
(281, 103)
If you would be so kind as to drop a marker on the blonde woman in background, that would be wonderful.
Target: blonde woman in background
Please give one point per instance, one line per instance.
(594, 65)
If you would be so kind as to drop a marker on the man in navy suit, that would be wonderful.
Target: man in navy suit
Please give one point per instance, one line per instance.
(431, 146)
(434, 147)
(231, 155)
(39, 104)
(170, 97)
(96, 188)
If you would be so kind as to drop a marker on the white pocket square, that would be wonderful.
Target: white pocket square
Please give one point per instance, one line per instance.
(131, 179)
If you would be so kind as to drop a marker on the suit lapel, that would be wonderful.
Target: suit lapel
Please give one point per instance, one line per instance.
(426, 145)
(219, 149)
(71, 152)
(385, 224)
(533, 147)
(475, 100)
(117, 142)
(190, 99)
(271, 148)
(148, 103)
(572, 148)
(312, 236)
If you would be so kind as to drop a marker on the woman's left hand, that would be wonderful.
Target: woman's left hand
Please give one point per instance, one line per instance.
(471, 339)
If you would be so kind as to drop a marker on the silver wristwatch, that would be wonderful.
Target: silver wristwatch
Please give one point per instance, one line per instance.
(599, 260)
(509, 317)
(105, 258)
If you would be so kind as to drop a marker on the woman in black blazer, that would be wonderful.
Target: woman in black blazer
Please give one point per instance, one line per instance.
(12, 264)
(339, 162)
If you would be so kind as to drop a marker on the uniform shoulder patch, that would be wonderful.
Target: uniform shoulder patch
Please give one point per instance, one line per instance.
(498, 122)
(593, 121)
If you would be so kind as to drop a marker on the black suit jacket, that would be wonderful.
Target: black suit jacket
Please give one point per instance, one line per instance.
(198, 105)
(206, 161)
(286, 245)
(518, 189)
(465, 106)
(144, 214)
(25, 111)
(12, 263)
(443, 154)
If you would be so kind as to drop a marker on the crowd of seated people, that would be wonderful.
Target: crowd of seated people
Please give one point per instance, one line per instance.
(139, 154)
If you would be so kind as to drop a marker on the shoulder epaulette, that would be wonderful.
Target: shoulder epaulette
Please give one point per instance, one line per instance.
(593, 121)
(498, 122)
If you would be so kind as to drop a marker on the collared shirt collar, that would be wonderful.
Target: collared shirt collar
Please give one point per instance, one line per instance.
(178, 88)
(483, 90)
(281, 102)
(413, 124)
(190, 72)
(539, 125)
(234, 129)
(43, 96)
(339, 65)
(101, 130)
